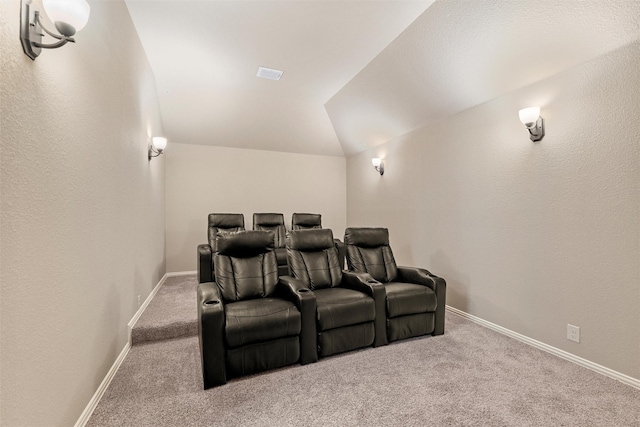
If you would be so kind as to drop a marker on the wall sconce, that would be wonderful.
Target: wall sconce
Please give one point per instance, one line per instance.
(68, 16)
(530, 117)
(378, 165)
(157, 146)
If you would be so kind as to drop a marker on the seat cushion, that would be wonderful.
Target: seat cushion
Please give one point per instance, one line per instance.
(409, 298)
(259, 320)
(338, 307)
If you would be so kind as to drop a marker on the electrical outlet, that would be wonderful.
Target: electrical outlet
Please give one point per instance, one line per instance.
(573, 333)
(138, 301)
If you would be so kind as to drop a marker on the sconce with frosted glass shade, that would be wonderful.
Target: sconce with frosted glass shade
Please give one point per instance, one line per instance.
(530, 118)
(378, 165)
(68, 16)
(158, 144)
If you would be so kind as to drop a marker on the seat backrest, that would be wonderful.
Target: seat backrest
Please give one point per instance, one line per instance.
(271, 222)
(223, 222)
(313, 258)
(245, 265)
(368, 251)
(306, 221)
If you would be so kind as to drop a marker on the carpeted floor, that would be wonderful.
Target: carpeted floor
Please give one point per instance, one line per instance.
(171, 314)
(471, 376)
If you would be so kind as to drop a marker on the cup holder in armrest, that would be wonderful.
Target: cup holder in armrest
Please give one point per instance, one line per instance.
(372, 281)
(211, 302)
(303, 290)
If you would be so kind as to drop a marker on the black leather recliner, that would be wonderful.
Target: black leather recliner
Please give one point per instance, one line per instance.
(415, 298)
(224, 222)
(347, 303)
(250, 320)
(274, 222)
(306, 221)
(311, 221)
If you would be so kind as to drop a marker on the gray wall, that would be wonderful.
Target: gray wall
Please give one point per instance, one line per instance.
(529, 236)
(202, 180)
(82, 211)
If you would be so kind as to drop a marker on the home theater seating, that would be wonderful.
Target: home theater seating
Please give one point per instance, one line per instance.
(256, 312)
(274, 222)
(307, 221)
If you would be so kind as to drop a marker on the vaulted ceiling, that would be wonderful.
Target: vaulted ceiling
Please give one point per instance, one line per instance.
(356, 73)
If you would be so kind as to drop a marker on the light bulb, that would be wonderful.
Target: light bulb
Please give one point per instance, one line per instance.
(159, 143)
(376, 161)
(529, 116)
(69, 16)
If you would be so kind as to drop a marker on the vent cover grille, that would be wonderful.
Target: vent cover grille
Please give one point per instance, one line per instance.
(269, 73)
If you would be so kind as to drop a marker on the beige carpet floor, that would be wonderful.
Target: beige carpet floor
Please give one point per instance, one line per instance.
(471, 376)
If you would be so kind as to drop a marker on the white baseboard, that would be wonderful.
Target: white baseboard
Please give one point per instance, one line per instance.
(181, 273)
(88, 411)
(603, 370)
(144, 305)
(91, 406)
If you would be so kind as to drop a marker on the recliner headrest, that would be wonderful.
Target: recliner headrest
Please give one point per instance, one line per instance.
(310, 240)
(244, 244)
(268, 219)
(366, 237)
(306, 220)
(226, 220)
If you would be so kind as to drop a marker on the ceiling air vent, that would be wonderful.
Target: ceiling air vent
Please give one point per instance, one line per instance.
(269, 73)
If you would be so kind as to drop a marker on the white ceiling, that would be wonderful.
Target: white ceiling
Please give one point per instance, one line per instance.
(462, 53)
(205, 55)
(351, 79)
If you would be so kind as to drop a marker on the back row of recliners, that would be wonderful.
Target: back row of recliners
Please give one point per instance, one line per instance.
(251, 318)
(274, 222)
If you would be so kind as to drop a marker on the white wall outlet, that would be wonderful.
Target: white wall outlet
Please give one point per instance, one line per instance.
(573, 333)
(138, 301)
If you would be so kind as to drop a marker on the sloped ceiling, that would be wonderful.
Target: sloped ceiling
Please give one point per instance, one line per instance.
(461, 53)
(205, 55)
(356, 73)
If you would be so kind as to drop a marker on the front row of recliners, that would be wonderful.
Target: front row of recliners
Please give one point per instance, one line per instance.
(251, 320)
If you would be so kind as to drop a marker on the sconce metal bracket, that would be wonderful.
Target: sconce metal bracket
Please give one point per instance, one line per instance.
(536, 132)
(30, 30)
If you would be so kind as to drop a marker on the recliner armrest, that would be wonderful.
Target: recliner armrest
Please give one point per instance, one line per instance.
(437, 284)
(205, 264)
(365, 283)
(416, 275)
(305, 300)
(211, 322)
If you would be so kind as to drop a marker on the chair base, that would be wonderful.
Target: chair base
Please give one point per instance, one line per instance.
(253, 358)
(346, 338)
(413, 325)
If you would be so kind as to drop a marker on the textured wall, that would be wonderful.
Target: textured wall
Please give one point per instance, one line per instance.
(529, 236)
(82, 211)
(202, 180)
(459, 54)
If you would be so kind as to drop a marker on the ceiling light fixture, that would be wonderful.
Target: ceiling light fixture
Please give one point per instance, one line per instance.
(269, 73)
(68, 16)
(530, 118)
